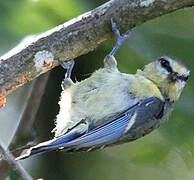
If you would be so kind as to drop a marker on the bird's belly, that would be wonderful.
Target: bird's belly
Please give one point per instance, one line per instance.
(101, 104)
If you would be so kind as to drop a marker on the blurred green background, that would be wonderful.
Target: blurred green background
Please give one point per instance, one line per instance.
(166, 153)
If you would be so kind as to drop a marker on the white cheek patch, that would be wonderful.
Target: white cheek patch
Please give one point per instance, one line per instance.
(181, 84)
(179, 87)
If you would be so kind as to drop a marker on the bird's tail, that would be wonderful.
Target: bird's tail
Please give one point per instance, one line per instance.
(50, 145)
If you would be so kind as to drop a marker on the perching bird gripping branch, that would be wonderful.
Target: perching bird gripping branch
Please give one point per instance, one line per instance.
(77, 37)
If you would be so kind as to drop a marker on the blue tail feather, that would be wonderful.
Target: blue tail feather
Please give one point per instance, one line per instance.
(50, 145)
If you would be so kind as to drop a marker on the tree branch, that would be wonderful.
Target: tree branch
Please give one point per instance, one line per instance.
(11, 160)
(25, 132)
(77, 37)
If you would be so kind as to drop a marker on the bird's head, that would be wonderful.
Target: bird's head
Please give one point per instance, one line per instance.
(169, 74)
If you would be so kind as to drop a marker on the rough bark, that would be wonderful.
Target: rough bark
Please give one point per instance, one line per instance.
(77, 37)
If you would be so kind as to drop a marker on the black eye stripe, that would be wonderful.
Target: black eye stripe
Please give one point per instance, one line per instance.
(165, 64)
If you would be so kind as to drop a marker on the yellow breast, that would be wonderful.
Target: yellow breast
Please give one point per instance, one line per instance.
(143, 87)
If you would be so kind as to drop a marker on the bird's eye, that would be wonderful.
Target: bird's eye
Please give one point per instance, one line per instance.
(165, 64)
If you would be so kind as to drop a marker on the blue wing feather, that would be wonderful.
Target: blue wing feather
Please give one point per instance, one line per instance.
(109, 132)
(105, 134)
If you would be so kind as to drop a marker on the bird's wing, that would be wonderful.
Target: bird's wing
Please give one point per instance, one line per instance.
(108, 133)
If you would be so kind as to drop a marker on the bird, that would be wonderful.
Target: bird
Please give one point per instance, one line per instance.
(111, 107)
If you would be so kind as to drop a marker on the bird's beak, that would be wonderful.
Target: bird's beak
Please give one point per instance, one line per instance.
(185, 76)
(175, 76)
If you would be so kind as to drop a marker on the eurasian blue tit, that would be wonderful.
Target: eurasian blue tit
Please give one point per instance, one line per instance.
(111, 107)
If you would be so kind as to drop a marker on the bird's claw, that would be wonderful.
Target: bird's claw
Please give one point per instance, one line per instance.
(68, 66)
(119, 38)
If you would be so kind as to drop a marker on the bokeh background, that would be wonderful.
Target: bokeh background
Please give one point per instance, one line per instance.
(167, 153)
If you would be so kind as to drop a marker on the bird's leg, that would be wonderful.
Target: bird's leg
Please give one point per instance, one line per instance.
(68, 66)
(119, 38)
(109, 61)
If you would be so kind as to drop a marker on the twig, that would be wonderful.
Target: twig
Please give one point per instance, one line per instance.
(11, 160)
(24, 132)
(77, 37)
